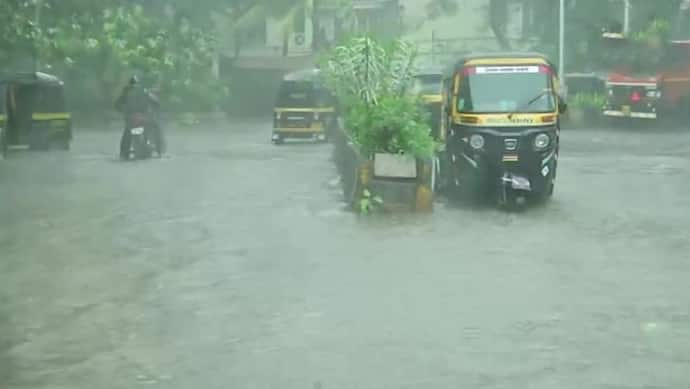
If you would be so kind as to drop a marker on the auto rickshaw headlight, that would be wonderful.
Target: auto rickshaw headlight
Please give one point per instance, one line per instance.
(477, 141)
(316, 116)
(541, 142)
(277, 114)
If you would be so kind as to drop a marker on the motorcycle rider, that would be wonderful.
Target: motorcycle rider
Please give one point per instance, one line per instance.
(134, 98)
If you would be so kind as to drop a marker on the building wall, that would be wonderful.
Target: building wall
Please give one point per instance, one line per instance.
(299, 42)
(466, 30)
(470, 20)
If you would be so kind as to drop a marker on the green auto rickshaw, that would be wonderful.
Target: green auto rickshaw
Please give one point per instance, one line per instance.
(33, 112)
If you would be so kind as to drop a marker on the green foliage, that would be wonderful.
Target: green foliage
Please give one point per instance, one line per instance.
(371, 80)
(369, 202)
(643, 52)
(585, 20)
(587, 101)
(396, 124)
(366, 69)
(96, 48)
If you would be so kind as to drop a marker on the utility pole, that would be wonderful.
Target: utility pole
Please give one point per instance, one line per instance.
(433, 47)
(561, 42)
(626, 17)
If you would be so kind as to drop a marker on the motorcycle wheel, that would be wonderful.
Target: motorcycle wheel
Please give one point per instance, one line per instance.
(140, 147)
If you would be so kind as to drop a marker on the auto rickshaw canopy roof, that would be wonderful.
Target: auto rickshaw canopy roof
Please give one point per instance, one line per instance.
(499, 58)
(304, 75)
(33, 78)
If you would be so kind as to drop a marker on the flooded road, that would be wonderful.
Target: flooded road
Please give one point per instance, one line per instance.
(233, 264)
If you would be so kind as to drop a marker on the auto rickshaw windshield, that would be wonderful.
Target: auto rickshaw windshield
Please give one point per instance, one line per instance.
(506, 89)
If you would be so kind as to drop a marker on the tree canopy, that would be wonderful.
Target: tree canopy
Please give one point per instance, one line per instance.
(100, 45)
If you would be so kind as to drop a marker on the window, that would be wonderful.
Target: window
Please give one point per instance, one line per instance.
(506, 91)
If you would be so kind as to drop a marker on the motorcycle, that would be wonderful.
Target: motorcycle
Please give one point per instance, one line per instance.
(141, 144)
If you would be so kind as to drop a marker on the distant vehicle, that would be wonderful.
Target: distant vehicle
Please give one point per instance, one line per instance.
(501, 114)
(653, 90)
(33, 112)
(304, 108)
(428, 84)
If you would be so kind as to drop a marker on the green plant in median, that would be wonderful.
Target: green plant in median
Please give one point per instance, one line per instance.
(394, 125)
(369, 202)
(371, 80)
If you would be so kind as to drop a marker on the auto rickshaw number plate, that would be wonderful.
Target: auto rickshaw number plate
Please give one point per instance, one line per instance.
(626, 110)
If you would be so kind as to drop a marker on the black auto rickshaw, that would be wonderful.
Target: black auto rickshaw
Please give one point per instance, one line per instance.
(304, 108)
(502, 117)
(428, 85)
(33, 112)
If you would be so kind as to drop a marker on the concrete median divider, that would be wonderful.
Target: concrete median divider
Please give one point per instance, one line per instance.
(402, 185)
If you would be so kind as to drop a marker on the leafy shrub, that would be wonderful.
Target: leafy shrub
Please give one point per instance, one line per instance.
(370, 80)
(396, 124)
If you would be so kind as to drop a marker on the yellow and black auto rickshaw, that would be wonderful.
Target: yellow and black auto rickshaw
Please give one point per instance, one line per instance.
(502, 119)
(33, 112)
(304, 108)
(428, 85)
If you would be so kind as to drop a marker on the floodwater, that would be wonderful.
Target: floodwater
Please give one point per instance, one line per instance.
(233, 264)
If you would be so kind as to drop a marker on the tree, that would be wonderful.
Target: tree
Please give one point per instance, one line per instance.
(371, 81)
(101, 44)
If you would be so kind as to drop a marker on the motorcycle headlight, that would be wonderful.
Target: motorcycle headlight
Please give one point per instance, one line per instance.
(476, 141)
(277, 115)
(541, 142)
(316, 116)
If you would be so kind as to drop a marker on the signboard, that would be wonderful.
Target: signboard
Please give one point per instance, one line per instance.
(506, 69)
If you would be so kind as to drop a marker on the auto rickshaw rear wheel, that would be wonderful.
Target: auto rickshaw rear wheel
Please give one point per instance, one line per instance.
(63, 143)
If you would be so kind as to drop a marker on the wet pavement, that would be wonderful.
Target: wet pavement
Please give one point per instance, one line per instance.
(233, 264)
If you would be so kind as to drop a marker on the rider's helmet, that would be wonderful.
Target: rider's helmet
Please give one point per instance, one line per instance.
(134, 80)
